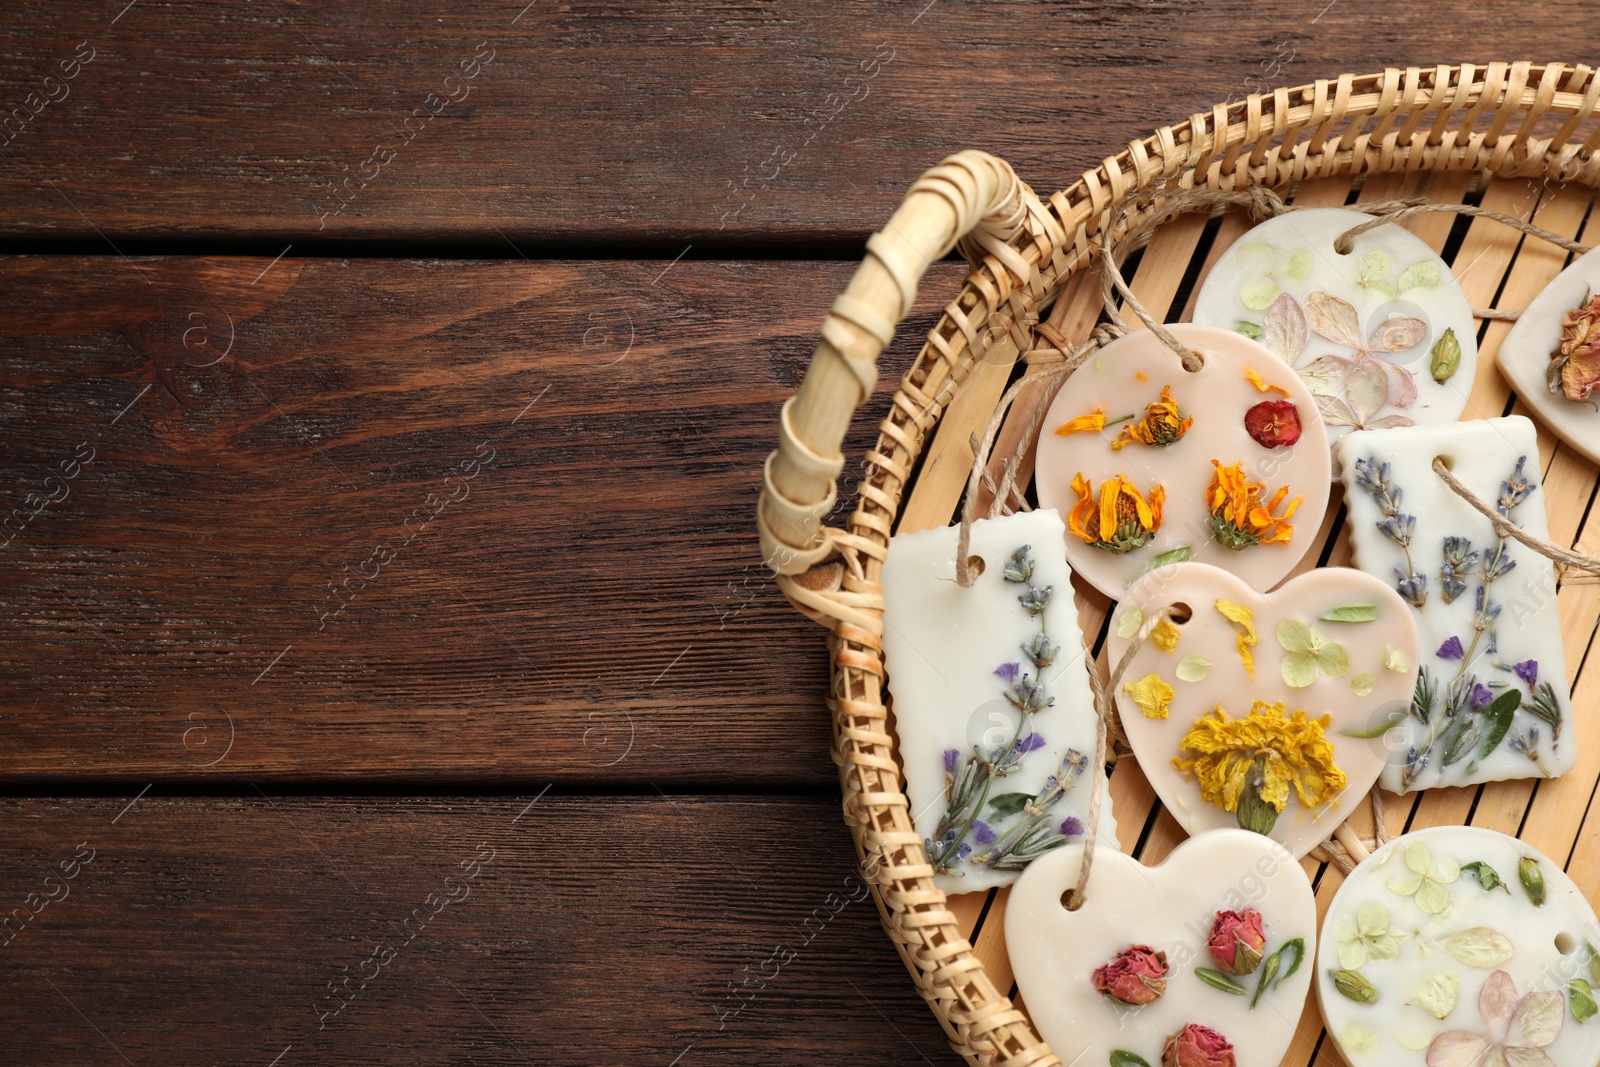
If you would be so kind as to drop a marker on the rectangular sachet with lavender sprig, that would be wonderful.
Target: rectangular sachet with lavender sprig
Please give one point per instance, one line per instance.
(1491, 699)
(992, 706)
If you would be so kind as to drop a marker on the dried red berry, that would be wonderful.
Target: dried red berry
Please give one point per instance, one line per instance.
(1273, 423)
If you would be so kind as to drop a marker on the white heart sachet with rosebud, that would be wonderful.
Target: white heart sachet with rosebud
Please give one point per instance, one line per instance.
(1201, 961)
(1457, 946)
(991, 697)
(1492, 700)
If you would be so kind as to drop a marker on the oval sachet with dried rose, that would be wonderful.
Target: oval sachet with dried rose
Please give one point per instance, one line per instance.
(1150, 463)
(1458, 946)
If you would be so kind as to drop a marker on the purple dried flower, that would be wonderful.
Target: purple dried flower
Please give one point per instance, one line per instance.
(1007, 672)
(982, 832)
(952, 759)
(1528, 671)
(1071, 826)
(1032, 743)
(1481, 696)
(1451, 649)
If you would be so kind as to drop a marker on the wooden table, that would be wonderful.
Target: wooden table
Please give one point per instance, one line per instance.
(388, 671)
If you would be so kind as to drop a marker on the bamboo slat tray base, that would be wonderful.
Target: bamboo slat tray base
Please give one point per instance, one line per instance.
(1498, 268)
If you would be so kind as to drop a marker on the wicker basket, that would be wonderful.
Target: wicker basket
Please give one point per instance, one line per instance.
(1505, 120)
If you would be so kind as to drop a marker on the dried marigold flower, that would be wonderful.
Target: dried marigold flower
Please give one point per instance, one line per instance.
(1264, 754)
(1240, 518)
(1118, 519)
(1161, 425)
(1094, 421)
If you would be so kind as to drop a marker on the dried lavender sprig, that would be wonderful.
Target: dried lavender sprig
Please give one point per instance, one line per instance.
(1396, 525)
(1459, 558)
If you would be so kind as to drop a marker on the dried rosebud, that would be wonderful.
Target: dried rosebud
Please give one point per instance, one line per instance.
(1197, 1046)
(1445, 359)
(1575, 368)
(1273, 423)
(1135, 975)
(1354, 984)
(1237, 941)
(1532, 880)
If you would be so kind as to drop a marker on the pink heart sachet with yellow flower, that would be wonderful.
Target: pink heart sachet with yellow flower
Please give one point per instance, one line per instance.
(1271, 712)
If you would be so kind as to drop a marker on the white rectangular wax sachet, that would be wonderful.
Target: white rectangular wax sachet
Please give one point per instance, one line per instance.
(1492, 700)
(991, 700)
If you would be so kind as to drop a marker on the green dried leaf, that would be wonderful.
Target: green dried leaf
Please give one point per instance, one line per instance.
(1298, 267)
(1437, 995)
(1374, 266)
(1422, 275)
(1193, 668)
(1486, 875)
(1252, 331)
(1121, 1057)
(1478, 946)
(1269, 971)
(1129, 623)
(1384, 726)
(1351, 613)
(1008, 804)
(1259, 294)
(1363, 683)
(1445, 358)
(1497, 719)
(1295, 953)
(1218, 980)
(1171, 555)
(1581, 996)
(1594, 960)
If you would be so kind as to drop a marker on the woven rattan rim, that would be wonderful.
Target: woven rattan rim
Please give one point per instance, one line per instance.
(1507, 119)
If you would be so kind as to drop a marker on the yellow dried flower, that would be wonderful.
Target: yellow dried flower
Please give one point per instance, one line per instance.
(1162, 424)
(1152, 694)
(1120, 520)
(1095, 420)
(1165, 635)
(1240, 518)
(1243, 621)
(1255, 379)
(1248, 765)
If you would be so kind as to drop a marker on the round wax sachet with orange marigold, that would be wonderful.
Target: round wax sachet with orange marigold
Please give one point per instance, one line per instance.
(1150, 464)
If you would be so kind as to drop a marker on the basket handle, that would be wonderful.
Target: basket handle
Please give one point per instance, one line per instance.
(970, 195)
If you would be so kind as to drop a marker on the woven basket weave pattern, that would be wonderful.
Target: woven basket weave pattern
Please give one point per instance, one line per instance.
(1512, 120)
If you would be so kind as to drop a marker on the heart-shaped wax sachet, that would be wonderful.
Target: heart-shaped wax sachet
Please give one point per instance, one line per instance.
(1207, 955)
(1458, 946)
(1551, 357)
(1151, 463)
(1269, 712)
(1382, 334)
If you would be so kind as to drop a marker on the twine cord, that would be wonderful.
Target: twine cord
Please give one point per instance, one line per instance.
(1506, 528)
(1398, 211)
(1105, 710)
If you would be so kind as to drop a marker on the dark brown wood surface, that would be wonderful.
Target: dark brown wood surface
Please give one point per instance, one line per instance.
(677, 121)
(579, 930)
(400, 519)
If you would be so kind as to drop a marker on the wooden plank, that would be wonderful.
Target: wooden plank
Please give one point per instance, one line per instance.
(690, 121)
(590, 604)
(490, 930)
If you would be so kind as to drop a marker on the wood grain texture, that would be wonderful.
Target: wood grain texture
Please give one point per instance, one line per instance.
(577, 930)
(570, 589)
(687, 121)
